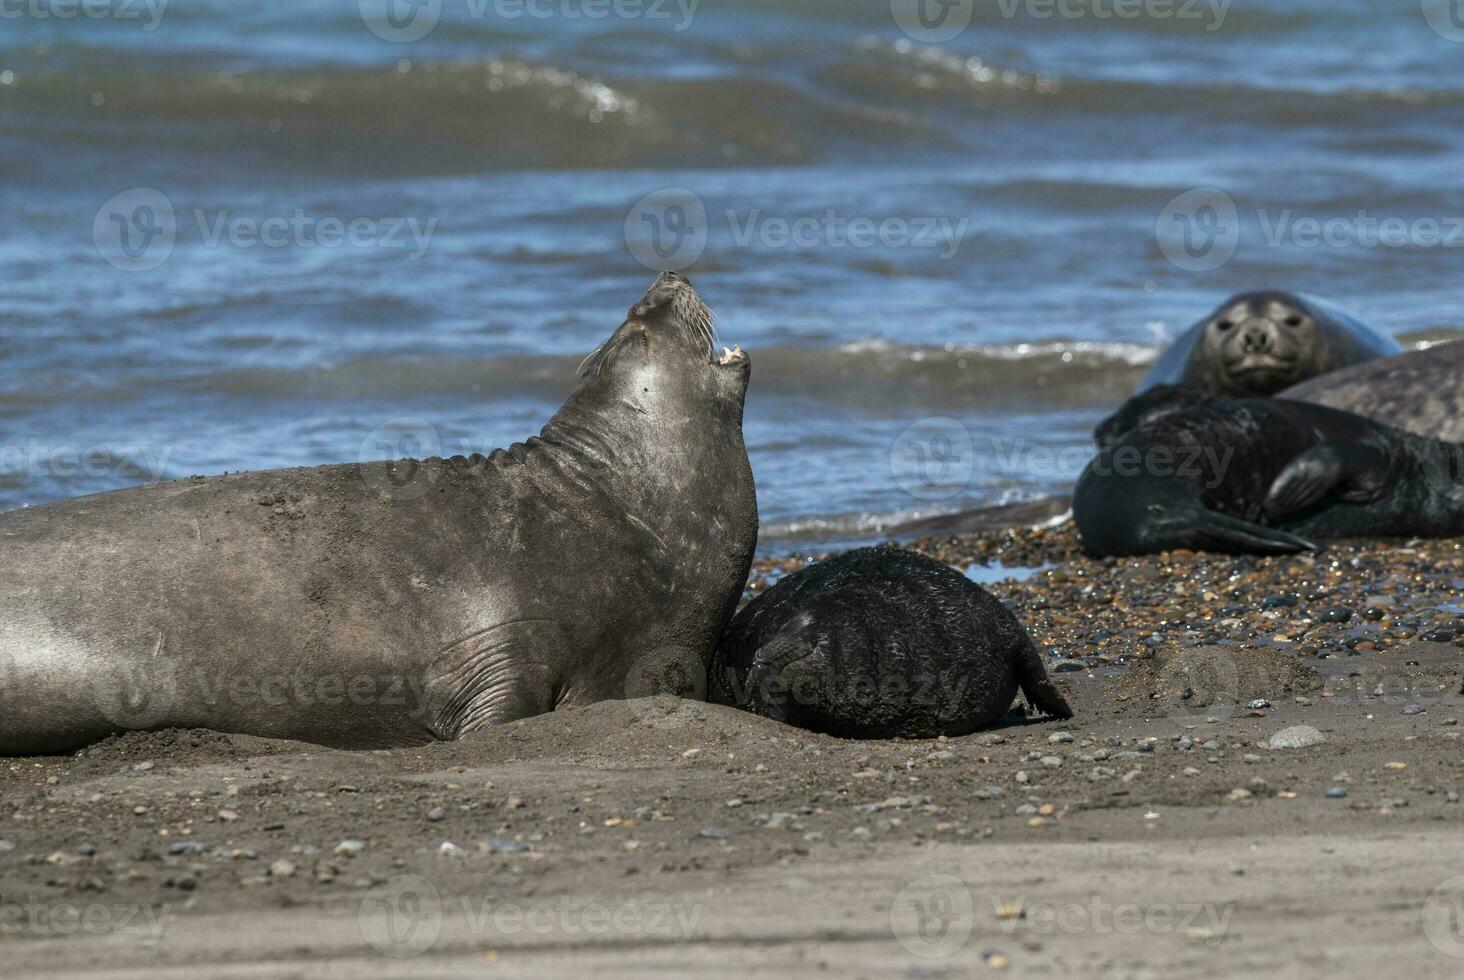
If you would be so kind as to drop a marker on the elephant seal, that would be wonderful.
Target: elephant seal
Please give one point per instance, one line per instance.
(1181, 469)
(880, 643)
(1259, 343)
(397, 603)
(1421, 391)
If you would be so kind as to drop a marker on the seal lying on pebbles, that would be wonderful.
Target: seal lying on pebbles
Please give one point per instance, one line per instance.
(392, 603)
(1179, 469)
(1260, 343)
(1420, 392)
(880, 643)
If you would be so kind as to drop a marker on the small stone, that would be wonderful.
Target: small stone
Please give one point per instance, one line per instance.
(502, 845)
(142, 767)
(1057, 738)
(1259, 704)
(1336, 793)
(1238, 795)
(228, 816)
(1414, 709)
(448, 849)
(350, 848)
(1068, 666)
(1191, 771)
(436, 814)
(1297, 737)
(691, 753)
(6, 846)
(1026, 810)
(282, 869)
(713, 833)
(1395, 765)
(1336, 614)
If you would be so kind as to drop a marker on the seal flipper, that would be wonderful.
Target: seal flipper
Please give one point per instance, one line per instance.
(1036, 687)
(1214, 531)
(1356, 471)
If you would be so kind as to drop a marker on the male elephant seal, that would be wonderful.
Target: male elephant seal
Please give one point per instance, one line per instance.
(1259, 343)
(400, 602)
(1420, 392)
(880, 643)
(1180, 469)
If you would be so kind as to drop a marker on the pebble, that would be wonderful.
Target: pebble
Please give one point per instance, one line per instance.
(1026, 810)
(1414, 709)
(502, 845)
(1057, 738)
(1259, 704)
(713, 833)
(350, 848)
(1337, 614)
(1068, 666)
(142, 767)
(282, 869)
(1336, 793)
(435, 814)
(6, 846)
(1296, 737)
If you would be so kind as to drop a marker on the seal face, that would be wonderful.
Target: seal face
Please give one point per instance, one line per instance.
(1418, 392)
(880, 643)
(1181, 469)
(322, 604)
(1259, 343)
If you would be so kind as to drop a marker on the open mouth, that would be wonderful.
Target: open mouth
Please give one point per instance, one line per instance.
(1261, 365)
(731, 357)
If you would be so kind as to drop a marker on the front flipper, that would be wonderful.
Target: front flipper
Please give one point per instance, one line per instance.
(1214, 531)
(1355, 472)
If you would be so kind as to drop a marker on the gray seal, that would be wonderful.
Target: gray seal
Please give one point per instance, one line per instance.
(880, 643)
(1260, 343)
(1177, 468)
(397, 603)
(1421, 391)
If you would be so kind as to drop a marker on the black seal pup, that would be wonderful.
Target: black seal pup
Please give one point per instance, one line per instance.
(1180, 469)
(1260, 343)
(880, 643)
(392, 603)
(1421, 391)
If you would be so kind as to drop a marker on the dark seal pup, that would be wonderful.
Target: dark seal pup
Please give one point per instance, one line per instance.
(1260, 343)
(1180, 469)
(880, 643)
(393, 603)
(1420, 392)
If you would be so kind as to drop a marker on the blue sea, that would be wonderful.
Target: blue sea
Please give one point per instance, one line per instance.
(239, 234)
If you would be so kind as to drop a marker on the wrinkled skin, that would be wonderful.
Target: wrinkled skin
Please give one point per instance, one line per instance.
(1180, 469)
(393, 603)
(880, 643)
(1420, 392)
(1258, 344)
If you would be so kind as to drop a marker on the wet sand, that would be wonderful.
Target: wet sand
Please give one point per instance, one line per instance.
(1158, 833)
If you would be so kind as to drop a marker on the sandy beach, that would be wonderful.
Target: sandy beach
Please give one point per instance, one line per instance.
(1263, 777)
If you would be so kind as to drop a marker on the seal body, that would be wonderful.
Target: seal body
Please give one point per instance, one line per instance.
(1263, 342)
(1421, 391)
(392, 603)
(880, 643)
(1180, 469)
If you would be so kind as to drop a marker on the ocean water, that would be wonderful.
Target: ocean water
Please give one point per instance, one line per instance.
(240, 234)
